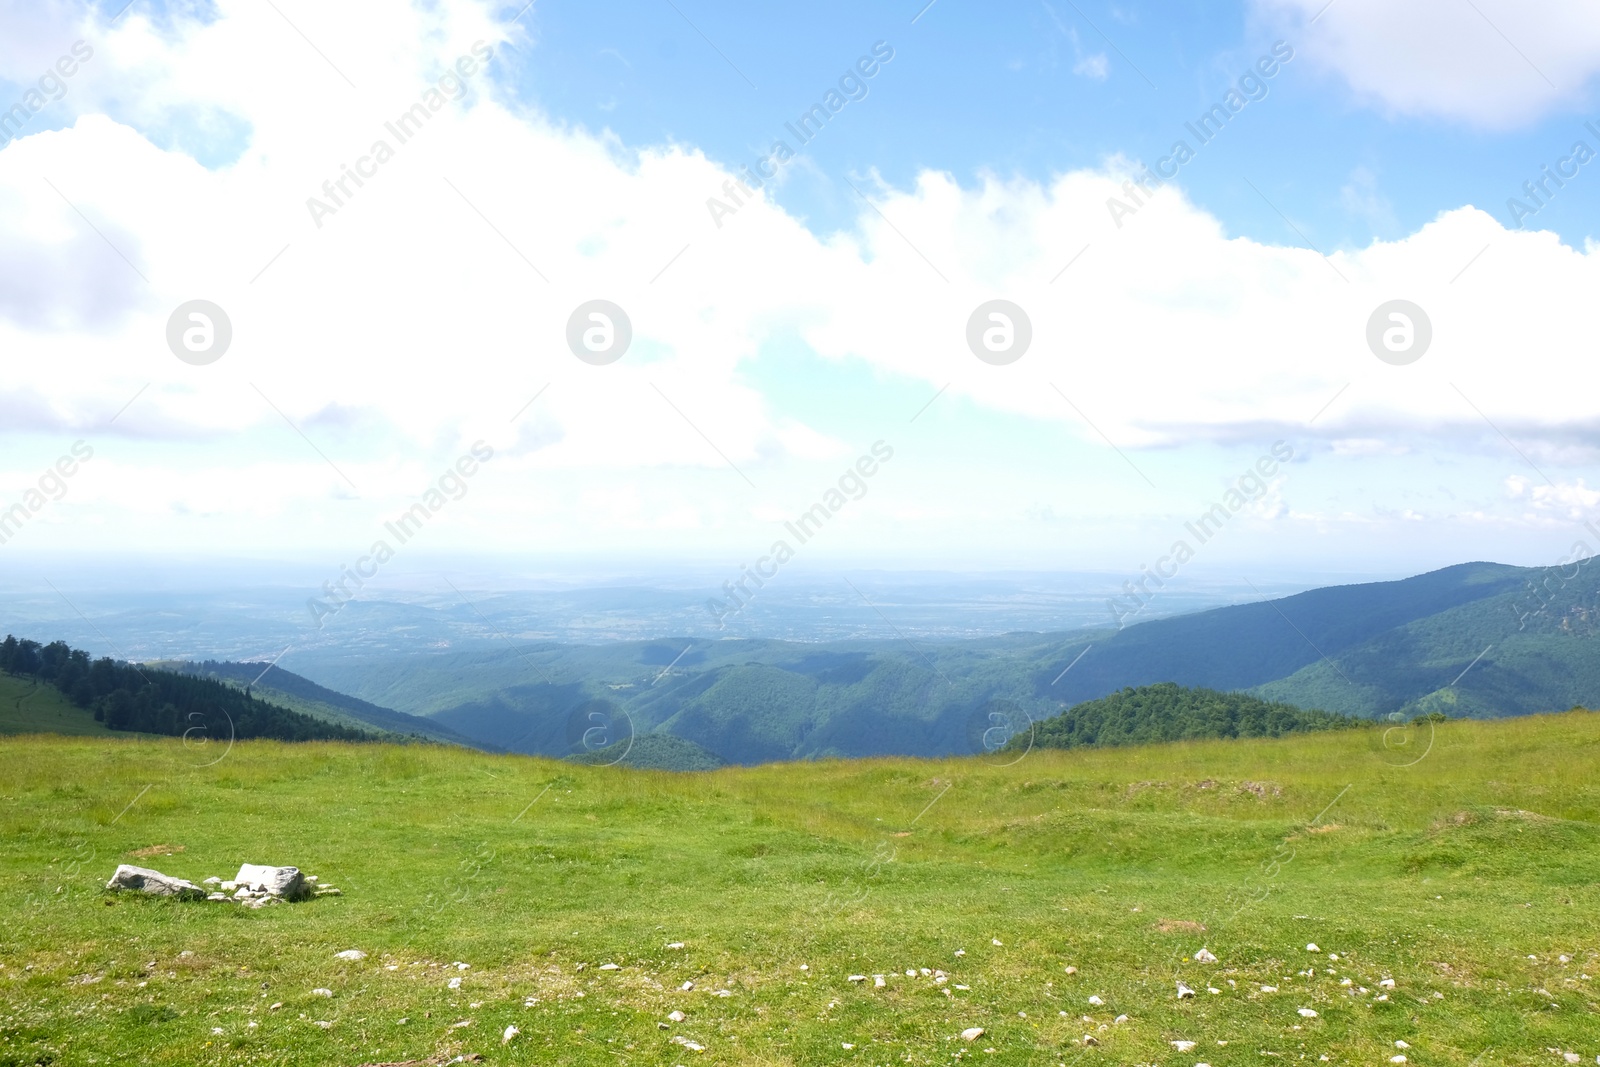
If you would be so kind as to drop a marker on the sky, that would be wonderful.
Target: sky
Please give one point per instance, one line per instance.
(1005, 286)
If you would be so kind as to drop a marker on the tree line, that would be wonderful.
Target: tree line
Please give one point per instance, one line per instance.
(126, 696)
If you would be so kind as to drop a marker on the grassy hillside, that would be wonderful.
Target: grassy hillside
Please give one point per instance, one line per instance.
(1463, 865)
(1528, 635)
(30, 707)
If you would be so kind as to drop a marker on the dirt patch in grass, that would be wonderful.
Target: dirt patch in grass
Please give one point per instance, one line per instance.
(156, 850)
(1173, 926)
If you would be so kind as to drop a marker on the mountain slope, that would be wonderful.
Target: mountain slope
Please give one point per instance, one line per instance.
(305, 696)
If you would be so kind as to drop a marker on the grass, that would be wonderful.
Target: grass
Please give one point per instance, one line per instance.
(1445, 875)
(27, 707)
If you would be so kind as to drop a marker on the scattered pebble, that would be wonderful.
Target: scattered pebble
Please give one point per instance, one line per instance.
(322, 992)
(1096, 1001)
(676, 944)
(1205, 956)
(350, 954)
(1312, 947)
(972, 1033)
(511, 1032)
(1307, 1013)
(1184, 992)
(1183, 1046)
(677, 1016)
(610, 967)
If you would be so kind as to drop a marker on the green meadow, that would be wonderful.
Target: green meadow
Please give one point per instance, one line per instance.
(1459, 862)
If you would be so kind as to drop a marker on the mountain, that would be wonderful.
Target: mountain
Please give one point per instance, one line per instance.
(127, 697)
(303, 695)
(1476, 639)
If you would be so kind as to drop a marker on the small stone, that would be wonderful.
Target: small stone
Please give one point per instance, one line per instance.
(1090, 1039)
(320, 992)
(1183, 1046)
(961, 952)
(610, 967)
(685, 987)
(1184, 992)
(996, 942)
(213, 880)
(1205, 956)
(216, 896)
(1387, 983)
(1307, 1013)
(676, 944)
(1269, 989)
(972, 1033)
(677, 1016)
(1313, 947)
(1119, 1020)
(275, 1007)
(455, 983)
(1096, 1001)
(1397, 1059)
(722, 992)
(856, 978)
(1071, 970)
(350, 954)
(878, 982)
(510, 1032)
(1401, 1044)
(1213, 990)
(285, 882)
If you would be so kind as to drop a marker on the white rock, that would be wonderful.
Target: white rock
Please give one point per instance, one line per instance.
(1184, 992)
(1571, 1057)
(1070, 970)
(685, 987)
(1183, 1046)
(847, 1046)
(972, 1033)
(458, 965)
(216, 896)
(1090, 1039)
(961, 952)
(1313, 947)
(319, 992)
(856, 978)
(350, 954)
(1401, 1044)
(610, 967)
(1269, 989)
(1333, 955)
(213, 880)
(285, 882)
(1397, 1059)
(1096, 1001)
(878, 982)
(1119, 1020)
(228, 887)
(995, 942)
(676, 944)
(677, 1016)
(1307, 1013)
(511, 1032)
(722, 992)
(1205, 956)
(455, 983)
(148, 881)
(1387, 983)
(1213, 990)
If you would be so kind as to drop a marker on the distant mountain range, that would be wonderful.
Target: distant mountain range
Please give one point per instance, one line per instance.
(1478, 639)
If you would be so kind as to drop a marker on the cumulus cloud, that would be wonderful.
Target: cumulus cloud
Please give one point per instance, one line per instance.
(1493, 63)
(429, 306)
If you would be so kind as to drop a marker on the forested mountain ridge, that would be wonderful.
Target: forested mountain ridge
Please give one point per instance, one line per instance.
(124, 696)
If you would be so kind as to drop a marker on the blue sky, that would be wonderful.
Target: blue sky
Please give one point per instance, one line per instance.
(1176, 340)
(1036, 89)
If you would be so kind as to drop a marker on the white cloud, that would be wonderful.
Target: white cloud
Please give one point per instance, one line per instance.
(1494, 63)
(418, 317)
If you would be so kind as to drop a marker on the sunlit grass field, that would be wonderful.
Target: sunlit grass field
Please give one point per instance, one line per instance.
(1461, 862)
